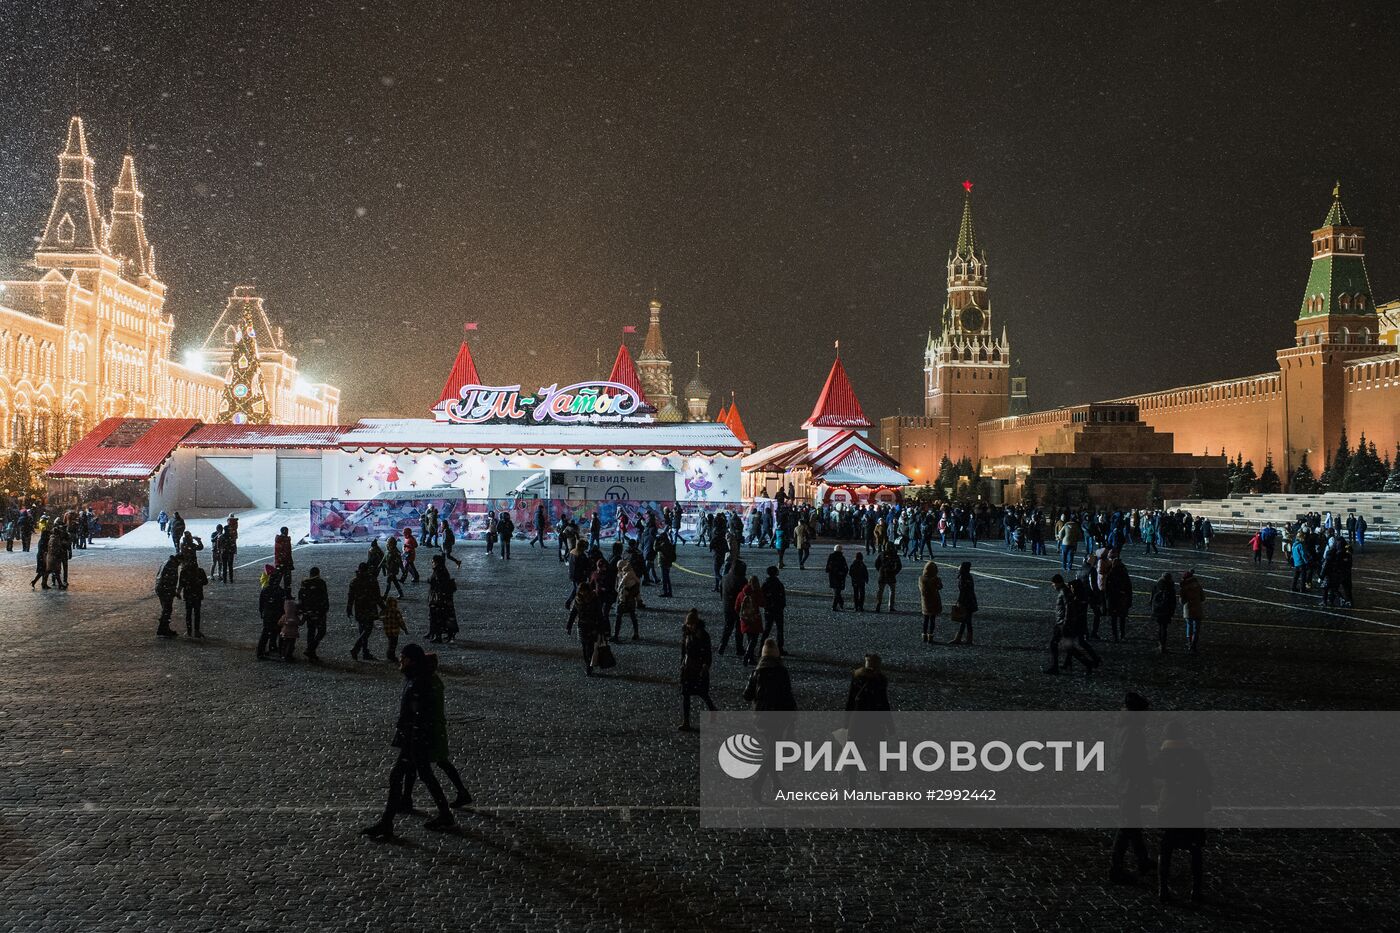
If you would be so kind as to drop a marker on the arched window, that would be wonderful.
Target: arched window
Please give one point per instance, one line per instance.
(1346, 301)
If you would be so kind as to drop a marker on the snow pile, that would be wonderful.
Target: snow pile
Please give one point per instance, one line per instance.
(256, 529)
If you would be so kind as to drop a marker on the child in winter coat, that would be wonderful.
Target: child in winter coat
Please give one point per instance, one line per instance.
(291, 625)
(393, 625)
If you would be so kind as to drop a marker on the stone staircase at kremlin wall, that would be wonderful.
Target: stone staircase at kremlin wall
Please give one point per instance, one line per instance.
(1247, 513)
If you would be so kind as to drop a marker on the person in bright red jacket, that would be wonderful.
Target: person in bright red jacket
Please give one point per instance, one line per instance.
(282, 556)
(749, 605)
(410, 552)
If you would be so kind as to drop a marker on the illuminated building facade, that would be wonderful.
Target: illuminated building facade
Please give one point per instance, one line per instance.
(84, 334)
(1342, 372)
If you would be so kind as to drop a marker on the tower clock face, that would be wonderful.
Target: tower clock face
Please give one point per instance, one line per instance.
(972, 319)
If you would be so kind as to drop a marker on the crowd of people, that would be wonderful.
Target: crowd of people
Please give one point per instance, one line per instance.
(609, 582)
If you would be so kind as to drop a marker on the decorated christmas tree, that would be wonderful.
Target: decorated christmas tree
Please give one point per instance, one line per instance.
(244, 401)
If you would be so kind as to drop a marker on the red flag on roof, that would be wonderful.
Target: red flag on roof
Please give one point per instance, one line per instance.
(470, 326)
(735, 423)
(463, 373)
(630, 329)
(837, 406)
(625, 372)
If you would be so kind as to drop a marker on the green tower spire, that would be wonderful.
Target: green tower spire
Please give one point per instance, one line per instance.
(1337, 282)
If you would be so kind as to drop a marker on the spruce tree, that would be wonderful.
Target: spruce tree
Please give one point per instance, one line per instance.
(1196, 491)
(1392, 482)
(1268, 480)
(1341, 461)
(947, 477)
(1154, 494)
(1303, 480)
(1246, 479)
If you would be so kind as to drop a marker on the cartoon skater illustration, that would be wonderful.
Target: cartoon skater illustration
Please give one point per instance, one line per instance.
(450, 470)
(697, 484)
(391, 475)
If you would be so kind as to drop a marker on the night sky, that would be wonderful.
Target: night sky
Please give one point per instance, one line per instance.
(782, 174)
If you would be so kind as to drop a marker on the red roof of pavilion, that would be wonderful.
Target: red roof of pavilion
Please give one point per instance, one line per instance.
(463, 373)
(123, 448)
(625, 372)
(735, 423)
(837, 406)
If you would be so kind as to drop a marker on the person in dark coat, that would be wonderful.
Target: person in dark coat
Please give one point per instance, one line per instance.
(868, 718)
(193, 580)
(1181, 807)
(769, 691)
(859, 574)
(417, 738)
(442, 609)
(315, 603)
(732, 585)
(836, 573)
(696, 657)
(1134, 784)
(774, 608)
(966, 605)
(1163, 608)
(167, 586)
(438, 750)
(1118, 596)
(270, 607)
(770, 688)
(592, 621)
(887, 565)
(363, 603)
(1077, 627)
(41, 558)
(177, 531)
(930, 598)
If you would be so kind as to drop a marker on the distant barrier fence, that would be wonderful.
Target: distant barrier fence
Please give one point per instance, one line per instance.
(361, 520)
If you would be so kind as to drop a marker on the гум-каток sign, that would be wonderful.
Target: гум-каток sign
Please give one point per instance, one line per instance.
(596, 401)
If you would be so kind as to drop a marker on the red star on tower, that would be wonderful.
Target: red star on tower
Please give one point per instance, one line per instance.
(967, 186)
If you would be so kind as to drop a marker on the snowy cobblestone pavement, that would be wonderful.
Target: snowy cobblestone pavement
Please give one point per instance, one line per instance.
(184, 786)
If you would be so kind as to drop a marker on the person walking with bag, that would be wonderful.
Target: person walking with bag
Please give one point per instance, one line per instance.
(592, 622)
(696, 657)
(966, 605)
(930, 598)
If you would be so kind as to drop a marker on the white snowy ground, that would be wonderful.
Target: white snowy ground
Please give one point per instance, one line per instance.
(256, 528)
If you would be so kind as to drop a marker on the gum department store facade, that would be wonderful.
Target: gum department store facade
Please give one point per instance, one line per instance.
(1342, 369)
(84, 334)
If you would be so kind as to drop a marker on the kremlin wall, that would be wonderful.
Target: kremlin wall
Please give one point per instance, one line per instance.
(1342, 369)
